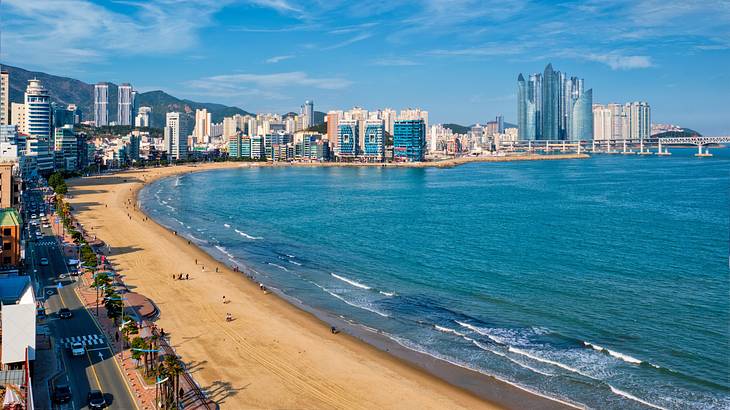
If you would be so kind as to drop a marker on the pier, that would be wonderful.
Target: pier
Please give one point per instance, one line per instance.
(644, 147)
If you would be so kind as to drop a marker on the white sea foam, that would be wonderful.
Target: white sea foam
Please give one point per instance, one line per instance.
(353, 304)
(548, 361)
(247, 236)
(226, 225)
(291, 256)
(498, 353)
(386, 293)
(634, 398)
(225, 252)
(295, 263)
(448, 330)
(483, 332)
(279, 266)
(409, 345)
(350, 281)
(621, 356)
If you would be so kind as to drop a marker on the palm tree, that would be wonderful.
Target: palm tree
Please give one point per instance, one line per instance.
(174, 368)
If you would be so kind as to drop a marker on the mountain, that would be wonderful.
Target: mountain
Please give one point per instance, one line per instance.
(457, 129)
(64, 91)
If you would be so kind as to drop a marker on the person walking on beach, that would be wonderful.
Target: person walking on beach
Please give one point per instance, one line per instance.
(187, 276)
(196, 261)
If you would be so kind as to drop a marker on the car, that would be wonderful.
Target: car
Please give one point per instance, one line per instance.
(64, 313)
(96, 400)
(77, 349)
(72, 262)
(44, 261)
(42, 214)
(46, 225)
(61, 393)
(33, 216)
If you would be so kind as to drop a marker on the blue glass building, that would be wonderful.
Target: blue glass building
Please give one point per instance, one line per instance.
(374, 141)
(409, 140)
(348, 135)
(582, 118)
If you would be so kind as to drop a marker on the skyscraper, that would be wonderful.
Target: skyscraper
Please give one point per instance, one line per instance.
(38, 125)
(582, 118)
(125, 106)
(629, 121)
(546, 105)
(348, 136)
(307, 112)
(4, 98)
(374, 141)
(203, 120)
(101, 104)
(176, 136)
(550, 104)
(143, 117)
(409, 140)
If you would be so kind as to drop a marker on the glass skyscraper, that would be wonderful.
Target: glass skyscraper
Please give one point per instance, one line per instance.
(409, 140)
(582, 118)
(546, 105)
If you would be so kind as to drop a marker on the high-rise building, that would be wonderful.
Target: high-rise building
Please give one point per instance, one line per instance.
(37, 110)
(203, 121)
(143, 117)
(629, 121)
(348, 136)
(333, 119)
(17, 116)
(602, 121)
(101, 104)
(409, 140)
(125, 105)
(4, 98)
(374, 141)
(546, 105)
(176, 136)
(307, 114)
(65, 146)
(582, 118)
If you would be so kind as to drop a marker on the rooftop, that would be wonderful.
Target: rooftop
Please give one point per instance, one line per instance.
(10, 217)
(12, 288)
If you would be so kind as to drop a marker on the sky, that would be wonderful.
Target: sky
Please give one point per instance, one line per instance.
(458, 59)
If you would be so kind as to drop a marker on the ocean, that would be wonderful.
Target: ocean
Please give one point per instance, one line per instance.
(601, 282)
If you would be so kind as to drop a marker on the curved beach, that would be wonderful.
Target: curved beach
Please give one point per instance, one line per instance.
(274, 354)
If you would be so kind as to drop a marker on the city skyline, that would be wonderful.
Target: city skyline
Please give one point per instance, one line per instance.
(628, 52)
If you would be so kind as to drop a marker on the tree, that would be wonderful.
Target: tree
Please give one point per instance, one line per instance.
(113, 304)
(55, 180)
(174, 369)
(101, 280)
(62, 188)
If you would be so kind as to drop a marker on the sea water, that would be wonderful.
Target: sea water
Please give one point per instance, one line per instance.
(601, 282)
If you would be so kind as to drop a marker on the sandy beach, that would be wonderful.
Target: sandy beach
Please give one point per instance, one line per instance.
(273, 355)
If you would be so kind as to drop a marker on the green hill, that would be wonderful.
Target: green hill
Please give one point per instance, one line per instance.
(65, 90)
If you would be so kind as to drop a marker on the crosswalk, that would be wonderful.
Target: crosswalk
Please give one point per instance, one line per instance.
(86, 340)
(47, 243)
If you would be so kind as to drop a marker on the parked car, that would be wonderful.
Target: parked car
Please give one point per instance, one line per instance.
(61, 393)
(77, 349)
(96, 399)
(64, 313)
(44, 261)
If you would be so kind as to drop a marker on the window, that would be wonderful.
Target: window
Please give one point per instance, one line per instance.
(6, 232)
(6, 246)
(372, 138)
(345, 138)
(6, 260)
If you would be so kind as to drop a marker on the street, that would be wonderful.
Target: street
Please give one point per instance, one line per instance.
(96, 369)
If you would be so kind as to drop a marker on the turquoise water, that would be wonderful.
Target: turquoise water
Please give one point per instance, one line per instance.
(603, 282)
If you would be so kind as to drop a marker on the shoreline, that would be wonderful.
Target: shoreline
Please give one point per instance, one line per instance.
(426, 381)
(446, 163)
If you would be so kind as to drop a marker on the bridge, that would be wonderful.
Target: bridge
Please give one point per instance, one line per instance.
(616, 146)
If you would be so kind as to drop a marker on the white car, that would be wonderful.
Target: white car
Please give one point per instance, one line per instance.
(77, 349)
(42, 215)
(46, 225)
(33, 216)
(44, 261)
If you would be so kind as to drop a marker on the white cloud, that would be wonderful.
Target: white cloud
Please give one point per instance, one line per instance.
(621, 62)
(395, 62)
(277, 59)
(53, 33)
(285, 80)
(352, 40)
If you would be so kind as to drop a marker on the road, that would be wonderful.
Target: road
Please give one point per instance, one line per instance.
(96, 370)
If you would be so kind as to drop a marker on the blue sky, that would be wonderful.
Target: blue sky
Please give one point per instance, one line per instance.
(457, 58)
